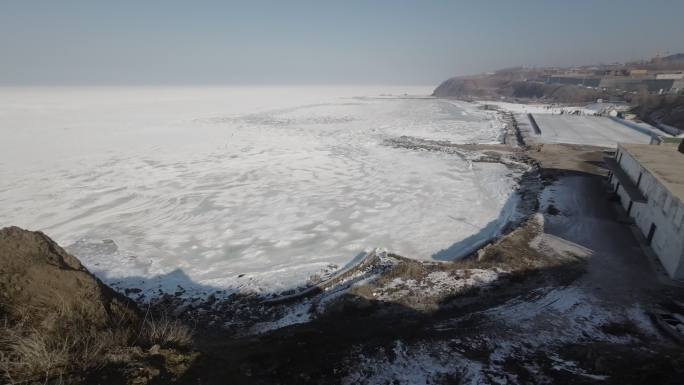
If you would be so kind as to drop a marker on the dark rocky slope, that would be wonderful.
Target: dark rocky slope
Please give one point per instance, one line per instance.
(514, 86)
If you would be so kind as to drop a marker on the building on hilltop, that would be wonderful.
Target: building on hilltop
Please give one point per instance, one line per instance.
(638, 72)
(650, 183)
(587, 81)
(636, 85)
(670, 76)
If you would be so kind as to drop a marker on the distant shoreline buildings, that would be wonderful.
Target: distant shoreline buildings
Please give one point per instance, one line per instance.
(652, 82)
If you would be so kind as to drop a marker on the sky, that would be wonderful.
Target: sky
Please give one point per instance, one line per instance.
(282, 42)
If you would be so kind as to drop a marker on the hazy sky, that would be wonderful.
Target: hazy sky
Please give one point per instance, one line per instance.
(294, 42)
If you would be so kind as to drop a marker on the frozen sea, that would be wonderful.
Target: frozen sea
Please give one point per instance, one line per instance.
(244, 188)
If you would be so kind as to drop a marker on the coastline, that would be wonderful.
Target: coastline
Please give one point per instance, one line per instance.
(329, 193)
(211, 230)
(246, 313)
(546, 295)
(259, 314)
(468, 311)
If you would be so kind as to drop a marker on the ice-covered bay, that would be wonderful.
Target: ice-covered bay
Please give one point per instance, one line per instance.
(243, 188)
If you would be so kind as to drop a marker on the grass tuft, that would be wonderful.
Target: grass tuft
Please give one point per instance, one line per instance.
(166, 332)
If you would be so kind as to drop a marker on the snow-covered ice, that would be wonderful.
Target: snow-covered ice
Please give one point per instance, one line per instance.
(248, 188)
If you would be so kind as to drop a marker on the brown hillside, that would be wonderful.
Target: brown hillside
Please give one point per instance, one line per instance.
(39, 277)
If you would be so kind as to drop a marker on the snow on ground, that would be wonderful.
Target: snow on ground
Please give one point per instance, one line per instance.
(437, 284)
(415, 365)
(584, 128)
(539, 108)
(590, 130)
(243, 189)
(546, 320)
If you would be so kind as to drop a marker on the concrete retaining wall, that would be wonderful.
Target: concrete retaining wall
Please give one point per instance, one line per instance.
(662, 209)
(632, 125)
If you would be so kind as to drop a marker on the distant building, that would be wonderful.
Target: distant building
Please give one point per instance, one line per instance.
(650, 183)
(574, 80)
(670, 76)
(638, 72)
(635, 85)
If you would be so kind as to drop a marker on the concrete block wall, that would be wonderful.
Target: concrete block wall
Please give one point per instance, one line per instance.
(662, 209)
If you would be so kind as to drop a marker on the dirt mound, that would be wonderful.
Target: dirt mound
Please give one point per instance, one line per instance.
(39, 277)
(60, 324)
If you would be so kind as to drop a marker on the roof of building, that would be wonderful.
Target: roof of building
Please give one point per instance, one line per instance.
(665, 163)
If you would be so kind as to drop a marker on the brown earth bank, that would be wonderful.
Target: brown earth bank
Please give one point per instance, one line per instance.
(555, 300)
(657, 109)
(60, 324)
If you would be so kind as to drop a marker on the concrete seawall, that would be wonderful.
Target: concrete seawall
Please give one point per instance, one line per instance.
(535, 126)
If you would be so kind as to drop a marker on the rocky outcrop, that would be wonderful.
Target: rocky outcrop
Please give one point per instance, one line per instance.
(471, 86)
(661, 110)
(60, 324)
(497, 85)
(39, 278)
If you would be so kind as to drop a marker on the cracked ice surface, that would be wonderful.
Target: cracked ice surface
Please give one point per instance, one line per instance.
(250, 188)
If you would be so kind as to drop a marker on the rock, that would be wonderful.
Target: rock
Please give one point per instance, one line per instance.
(49, 297)
(132, 291)
(37, 274)
(154, 349)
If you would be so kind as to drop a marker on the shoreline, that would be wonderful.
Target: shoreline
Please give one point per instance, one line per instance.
(546, 296)
(422, 311)
(485, 153)
(275, 310)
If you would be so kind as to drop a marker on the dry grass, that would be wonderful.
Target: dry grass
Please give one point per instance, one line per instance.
(405, 269)
(63, 341)
(66, 341)
(165, 332)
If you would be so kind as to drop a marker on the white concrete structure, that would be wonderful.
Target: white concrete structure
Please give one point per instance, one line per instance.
(670, 76)
(650, 183)
(590, 130)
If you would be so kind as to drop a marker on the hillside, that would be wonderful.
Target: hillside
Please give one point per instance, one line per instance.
(60, 324)
(495, 87)
(660, 75)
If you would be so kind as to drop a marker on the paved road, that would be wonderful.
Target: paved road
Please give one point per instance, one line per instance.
(618, 270)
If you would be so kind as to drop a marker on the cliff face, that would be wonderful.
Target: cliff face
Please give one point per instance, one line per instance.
(496, 86)
(477, 87)
(482, 86)
(665, 109)
(564, 85)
